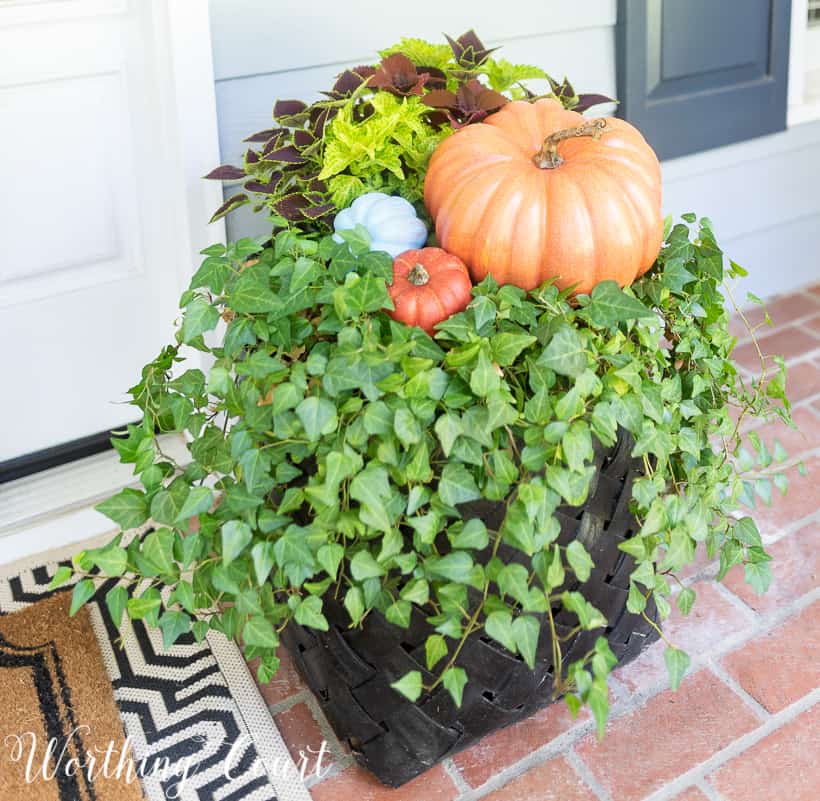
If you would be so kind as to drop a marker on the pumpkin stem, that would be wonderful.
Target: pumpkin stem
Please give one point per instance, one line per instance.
(418, 276)
(548, 157)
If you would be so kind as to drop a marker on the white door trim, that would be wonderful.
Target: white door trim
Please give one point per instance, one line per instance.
(52, 508)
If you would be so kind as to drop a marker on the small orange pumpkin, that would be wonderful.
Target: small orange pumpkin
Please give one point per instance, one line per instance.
(428, 286)
(538, 192)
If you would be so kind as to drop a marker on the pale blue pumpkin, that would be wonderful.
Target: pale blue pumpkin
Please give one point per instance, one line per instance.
(391, 222)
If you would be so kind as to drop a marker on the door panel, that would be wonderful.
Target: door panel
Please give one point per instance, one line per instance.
(90, 266)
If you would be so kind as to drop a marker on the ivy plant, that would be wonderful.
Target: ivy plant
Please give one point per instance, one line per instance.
(331, 450)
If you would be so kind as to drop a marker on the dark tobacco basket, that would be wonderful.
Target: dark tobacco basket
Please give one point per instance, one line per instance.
(350, 669)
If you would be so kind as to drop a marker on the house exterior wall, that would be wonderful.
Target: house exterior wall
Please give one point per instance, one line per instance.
(762, 195)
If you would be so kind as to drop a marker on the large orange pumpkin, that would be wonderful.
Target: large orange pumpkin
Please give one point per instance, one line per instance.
(538, 192)
(428, 286)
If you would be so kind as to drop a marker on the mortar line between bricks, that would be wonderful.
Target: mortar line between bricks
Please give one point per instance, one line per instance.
(556, 747)
(586, 775)
(286, 703)
(733, 600)
(760, 711)
(708, 790)
(455, 774)
(670, 790)
(765, 623)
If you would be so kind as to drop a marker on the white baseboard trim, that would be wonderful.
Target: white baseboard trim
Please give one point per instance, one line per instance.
(54, 507)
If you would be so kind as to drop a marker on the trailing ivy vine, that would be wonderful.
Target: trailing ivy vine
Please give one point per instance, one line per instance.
(331, 449)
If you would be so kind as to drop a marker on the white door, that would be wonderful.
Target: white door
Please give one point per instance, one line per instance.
(107, 120)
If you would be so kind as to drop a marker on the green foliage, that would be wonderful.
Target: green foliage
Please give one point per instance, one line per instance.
(372, 131)
(342, 445)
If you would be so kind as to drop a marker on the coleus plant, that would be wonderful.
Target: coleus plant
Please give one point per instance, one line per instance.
(376, 128)
(331, 448)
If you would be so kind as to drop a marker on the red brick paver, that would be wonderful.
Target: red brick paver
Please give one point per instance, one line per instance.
(356, 784)
(672, 733)
(704, 629)
(785, 765)
(802, 500)
(286, 683)
(789, 342)
(550, 781)
(783, 665)
(303, 736)
(795, 570)
(692, 794)
(506, 747)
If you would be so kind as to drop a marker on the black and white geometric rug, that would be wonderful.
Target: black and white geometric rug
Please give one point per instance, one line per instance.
(193, 708)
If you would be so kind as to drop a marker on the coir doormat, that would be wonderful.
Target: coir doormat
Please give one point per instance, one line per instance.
(187, 722)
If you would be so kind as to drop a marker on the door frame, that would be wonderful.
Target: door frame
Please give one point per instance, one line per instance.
(45, 510)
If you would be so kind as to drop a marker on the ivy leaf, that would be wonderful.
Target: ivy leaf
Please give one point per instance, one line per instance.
(258, 632)
(354, 604)
(158, 549)
(61, 576)
(506, 347)
(128, 508)
(200, 316)
(565, 353)
(610, 305)
(364, 566)
(435, 649)
(236, 536)
(111, 560)
(455, 566)
(457, 485)
(498, 625)
(329, 557)
(82, 592)
(173, 624)
(685, 600)
(758, 576)
(472, 534)
(115, 600)
(525, 632)
(309, 613)
(199, 500)
(454, 679)
(409, 685)
(573, 487)
(677, 663)
(262, 555)
(579, 560)
(318, 416)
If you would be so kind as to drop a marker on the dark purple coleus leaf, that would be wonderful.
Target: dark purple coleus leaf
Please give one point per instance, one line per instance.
(471, 103)
(468, 49)
(262, 136)
(233, 202)
(590, 100)
(285, 155)
(349, 81)
(225, 173)
(251, 157)
(291, 206)
(265, 187)
(303, 138)
(317, 212)
(289, 112)
(398, 75)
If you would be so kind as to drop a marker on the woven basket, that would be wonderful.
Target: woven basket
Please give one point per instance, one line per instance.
(350, 670)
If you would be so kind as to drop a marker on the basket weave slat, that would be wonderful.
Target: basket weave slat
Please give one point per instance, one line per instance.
(350, 670)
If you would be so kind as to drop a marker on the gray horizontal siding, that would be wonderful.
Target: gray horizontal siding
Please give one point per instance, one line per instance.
(762, 194)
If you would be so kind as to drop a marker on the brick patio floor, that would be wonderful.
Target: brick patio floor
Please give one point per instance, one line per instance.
(745, 723)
